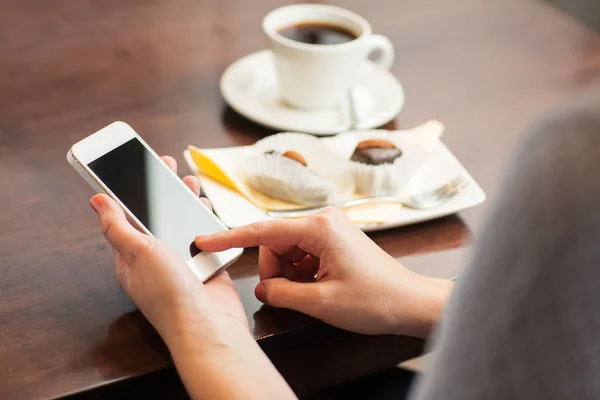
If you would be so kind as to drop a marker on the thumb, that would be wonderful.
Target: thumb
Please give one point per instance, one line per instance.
(121, 235)
(307, 298)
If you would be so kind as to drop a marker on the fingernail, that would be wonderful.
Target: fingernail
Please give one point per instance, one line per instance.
(261, 292)
(96, 202)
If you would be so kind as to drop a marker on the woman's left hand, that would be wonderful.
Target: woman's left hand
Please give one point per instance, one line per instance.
(161, 283)
(203, 325)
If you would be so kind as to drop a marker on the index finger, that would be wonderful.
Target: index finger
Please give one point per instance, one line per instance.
(298, 232)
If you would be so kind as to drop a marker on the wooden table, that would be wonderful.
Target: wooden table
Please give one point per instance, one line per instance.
(484, 68)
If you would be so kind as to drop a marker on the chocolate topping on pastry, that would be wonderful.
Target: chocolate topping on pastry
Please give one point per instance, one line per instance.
(376, 152)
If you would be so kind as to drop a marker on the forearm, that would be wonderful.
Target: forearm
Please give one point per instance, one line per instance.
(422, 308)
(227, 365)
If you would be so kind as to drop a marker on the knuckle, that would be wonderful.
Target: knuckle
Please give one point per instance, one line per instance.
(325, 219)
(257, 230)
(323, 226)
(146, 245)
(144, 248)
(257, 227)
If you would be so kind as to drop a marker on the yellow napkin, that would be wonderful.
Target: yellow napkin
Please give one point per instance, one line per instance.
(223, 165)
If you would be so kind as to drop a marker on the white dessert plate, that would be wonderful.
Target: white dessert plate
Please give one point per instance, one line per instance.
(441, 166)
(249, 86)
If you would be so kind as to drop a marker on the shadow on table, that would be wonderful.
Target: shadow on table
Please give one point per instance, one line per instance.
(426, 237)
(244, 131)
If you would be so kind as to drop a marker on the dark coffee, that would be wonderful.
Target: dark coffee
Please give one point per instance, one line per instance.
(317, 33)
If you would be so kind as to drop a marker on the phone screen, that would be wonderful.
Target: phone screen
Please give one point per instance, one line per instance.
(155, 196)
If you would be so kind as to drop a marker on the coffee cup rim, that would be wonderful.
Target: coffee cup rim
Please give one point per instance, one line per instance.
(356, 18)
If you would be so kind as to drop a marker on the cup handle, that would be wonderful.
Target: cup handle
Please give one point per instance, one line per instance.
(385, 47)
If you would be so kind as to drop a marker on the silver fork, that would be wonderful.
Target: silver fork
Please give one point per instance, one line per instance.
(421, 201)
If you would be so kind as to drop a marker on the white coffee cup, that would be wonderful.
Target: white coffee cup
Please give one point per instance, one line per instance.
(315, 76)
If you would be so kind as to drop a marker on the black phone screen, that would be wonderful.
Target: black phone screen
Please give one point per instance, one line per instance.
(156, 197)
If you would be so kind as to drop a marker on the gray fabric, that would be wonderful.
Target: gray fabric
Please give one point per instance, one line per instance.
(524, 319)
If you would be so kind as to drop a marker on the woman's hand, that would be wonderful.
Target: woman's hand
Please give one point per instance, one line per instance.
(326, 267)
(159, 281)
(203, 325)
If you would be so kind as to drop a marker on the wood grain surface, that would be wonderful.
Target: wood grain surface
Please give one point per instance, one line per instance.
(486, 69)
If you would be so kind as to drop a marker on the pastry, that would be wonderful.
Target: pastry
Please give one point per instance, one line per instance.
(376, 152)
(287, 176)
(374, 167)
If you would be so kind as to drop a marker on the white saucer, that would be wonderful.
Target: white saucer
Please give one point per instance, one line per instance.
(249, 86)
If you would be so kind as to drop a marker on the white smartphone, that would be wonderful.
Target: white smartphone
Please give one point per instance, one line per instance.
(117, 161)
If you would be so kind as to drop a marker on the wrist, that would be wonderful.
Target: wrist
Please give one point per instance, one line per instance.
(205, 334)
(427, 300)
(226, 352)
